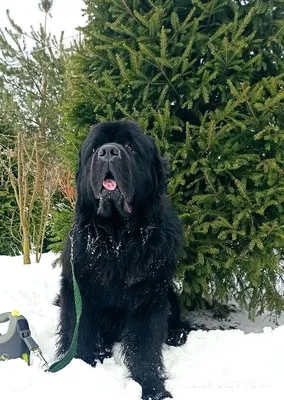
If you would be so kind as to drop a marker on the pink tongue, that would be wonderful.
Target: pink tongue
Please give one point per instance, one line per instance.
(109, 184)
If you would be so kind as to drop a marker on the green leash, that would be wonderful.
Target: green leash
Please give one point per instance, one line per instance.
(18, 342)
(60, 364)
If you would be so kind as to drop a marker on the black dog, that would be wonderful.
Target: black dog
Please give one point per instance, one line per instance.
(126, 240)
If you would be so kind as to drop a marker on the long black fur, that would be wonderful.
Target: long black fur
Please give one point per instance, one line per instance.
(125, 246)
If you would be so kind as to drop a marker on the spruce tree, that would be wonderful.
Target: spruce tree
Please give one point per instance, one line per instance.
(205, 79)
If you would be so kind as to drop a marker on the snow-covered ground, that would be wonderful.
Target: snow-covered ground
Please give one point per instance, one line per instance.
(243, 363)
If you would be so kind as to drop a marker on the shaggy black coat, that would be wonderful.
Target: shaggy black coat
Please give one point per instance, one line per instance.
(125, 247)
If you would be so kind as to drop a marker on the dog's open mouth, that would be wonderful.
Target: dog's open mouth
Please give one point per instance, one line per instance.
(110, 191)
(109, 183)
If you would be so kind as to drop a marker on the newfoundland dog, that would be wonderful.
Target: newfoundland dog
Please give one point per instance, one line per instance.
(125, 244)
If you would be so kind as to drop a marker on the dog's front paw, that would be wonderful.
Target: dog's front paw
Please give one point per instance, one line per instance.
(107, 353)
(177, 337)
(157, 395)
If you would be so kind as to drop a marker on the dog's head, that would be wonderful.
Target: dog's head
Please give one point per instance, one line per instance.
(120, 170)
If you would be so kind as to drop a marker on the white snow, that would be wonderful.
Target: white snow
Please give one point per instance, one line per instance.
(237, 363)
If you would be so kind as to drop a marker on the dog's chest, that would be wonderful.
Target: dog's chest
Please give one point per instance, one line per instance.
(126, 259)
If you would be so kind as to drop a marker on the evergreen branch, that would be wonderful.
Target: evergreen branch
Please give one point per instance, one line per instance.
(141, 18)
(208, 180)
(242, 190)
(129, 11)
(244, 24)
(279, 31)
(163, 40)
(159, 67)
(184, 23)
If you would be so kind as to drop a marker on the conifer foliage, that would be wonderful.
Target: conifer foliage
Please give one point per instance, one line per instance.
(204, 78)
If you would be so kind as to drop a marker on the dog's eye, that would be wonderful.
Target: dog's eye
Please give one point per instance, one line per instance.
(129, 147)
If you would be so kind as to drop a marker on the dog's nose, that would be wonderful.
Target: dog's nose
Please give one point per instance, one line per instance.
(108, 152)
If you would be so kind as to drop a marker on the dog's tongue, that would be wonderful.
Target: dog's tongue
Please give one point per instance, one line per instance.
(109, 184)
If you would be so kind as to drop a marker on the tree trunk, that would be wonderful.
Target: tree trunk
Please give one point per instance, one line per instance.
(26, 246)
(41, 229)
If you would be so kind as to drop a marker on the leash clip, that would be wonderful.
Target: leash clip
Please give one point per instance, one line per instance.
(37, 352)
(34, 348)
